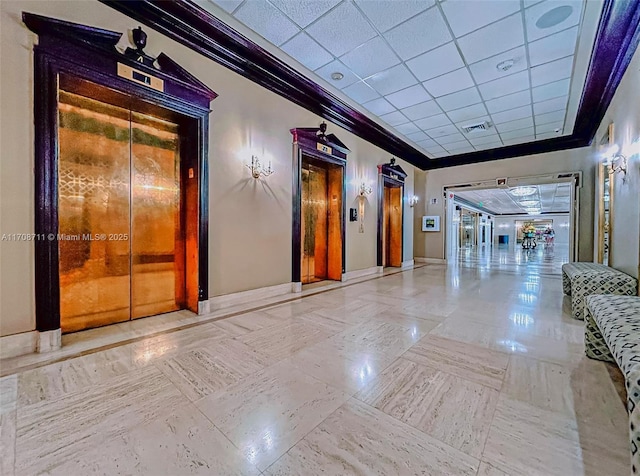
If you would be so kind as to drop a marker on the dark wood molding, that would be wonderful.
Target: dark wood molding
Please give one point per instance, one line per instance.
(308, 142)
(616, 41)
(84, 53)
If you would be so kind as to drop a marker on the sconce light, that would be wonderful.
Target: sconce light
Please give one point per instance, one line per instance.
(257, 169)
(615, 161)
(413, 200)
(364, 190)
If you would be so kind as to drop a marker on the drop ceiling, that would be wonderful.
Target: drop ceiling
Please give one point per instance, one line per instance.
(548, 198)
(428, 69)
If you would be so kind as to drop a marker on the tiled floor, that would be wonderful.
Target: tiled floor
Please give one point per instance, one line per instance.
(439, 371)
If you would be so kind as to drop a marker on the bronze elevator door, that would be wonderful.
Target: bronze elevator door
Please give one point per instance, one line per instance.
(321, 223)
(392, 226)
(121, 251)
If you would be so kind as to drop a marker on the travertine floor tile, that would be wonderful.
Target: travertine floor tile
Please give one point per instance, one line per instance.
(453, 410)
(358, 439)
(377, 336)
(8, 405)
(468, 361)
(268, 412)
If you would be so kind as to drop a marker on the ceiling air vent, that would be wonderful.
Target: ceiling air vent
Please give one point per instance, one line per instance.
(481, 126)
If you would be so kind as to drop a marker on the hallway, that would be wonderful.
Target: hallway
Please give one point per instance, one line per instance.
(451, 371)
(542, 260)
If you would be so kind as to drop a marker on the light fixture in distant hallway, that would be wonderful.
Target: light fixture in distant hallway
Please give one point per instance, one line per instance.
(522, 191)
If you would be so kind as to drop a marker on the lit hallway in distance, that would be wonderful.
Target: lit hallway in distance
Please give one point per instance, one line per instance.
(544, 259)
(443, 370)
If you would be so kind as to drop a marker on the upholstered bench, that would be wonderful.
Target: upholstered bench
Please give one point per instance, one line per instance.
(612, 334)
(582, 279)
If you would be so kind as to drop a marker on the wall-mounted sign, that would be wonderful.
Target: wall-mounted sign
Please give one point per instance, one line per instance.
(431, 223)
(139, 77)
(324, 148)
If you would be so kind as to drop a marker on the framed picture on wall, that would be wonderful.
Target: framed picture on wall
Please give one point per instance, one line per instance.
(431, 223)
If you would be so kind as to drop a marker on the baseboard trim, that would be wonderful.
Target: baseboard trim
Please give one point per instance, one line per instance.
(431, 260)
(408, 264)
(244, 297)
(18, 344)
(359, 273)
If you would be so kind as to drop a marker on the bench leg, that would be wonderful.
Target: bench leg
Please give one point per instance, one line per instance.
(594, 345)
(632, 383)
(566, 284)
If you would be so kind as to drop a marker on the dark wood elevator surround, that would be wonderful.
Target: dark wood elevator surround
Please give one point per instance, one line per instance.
(318, 241)
(390, 214)
(167, 109)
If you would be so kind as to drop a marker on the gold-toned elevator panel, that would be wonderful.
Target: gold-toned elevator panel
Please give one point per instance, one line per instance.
(120, 242)
(392, 226)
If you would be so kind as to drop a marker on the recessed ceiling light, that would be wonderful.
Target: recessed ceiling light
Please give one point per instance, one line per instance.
(522, 191)
(505, 65)
(554, 17)
(337, 76)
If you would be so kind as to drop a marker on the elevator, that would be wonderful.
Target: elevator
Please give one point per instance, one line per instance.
(392, 226)
(321, 221)
(121, 212)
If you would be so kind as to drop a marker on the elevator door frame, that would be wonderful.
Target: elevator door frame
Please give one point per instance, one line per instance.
(329, 151)
(89, 54)
(385, 181)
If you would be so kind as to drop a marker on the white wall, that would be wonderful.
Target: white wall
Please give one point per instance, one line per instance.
(505, 225)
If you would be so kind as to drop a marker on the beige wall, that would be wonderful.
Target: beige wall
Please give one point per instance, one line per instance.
(250, 221)
(624, 112)
(431, 245)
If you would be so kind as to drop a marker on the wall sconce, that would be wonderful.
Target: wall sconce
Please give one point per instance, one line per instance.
(616, 162)
(413, 200)
(257, 169)
(364, 190)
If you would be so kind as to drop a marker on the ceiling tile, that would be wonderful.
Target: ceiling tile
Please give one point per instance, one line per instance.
(303, 13)
(394, 119)
(455, 144)
(442, 131)
(519, 140)
(509, 102)
(267, 21)
(550, 105)
(461, 150)
(337, 67)
(553, 71)
(408, 97)
(553, 47)
(514, 125)
(500, 87)
(548, 135)
(433, 121)
(427, 144)
(419, 111)
(226, 5)
(486, 70)
(360, 92)
(448, 83)
(489, 139)
(451, 138)
(460, 99)
(305, 49)
(379, 106)
(417, 136)
(551, 90)
(560, 8)
(372, 57)
(391, 80)
(422, 33)
(488, 145)
(342, 29)
(527, 131)
(511, 114)
(466, 16)
(493, 39)
(437, 151)
(436, 62)
(466, 113)
(385, 14)
(550, 127)
(555, 116)
(408, 128)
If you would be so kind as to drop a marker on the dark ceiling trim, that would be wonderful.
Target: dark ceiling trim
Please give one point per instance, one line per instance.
(616, 41)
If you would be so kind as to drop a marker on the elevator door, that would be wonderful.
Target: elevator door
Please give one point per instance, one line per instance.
(392, 226)
(121, 252)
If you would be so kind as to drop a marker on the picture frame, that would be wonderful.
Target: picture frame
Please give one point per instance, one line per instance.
(431, 223)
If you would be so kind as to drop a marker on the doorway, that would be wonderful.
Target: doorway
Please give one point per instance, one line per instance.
(392, 227)
(122, 252)
(321, 221)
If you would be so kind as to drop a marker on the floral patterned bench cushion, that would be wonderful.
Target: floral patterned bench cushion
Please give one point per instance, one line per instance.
(612, 333)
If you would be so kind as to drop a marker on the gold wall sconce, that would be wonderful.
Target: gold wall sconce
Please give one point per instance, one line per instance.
(364, 191)
(615, 161)
(413, 200)
(258, 169)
